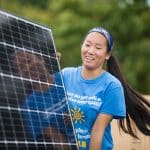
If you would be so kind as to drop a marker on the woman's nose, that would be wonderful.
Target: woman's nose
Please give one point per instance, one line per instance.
(91, 50)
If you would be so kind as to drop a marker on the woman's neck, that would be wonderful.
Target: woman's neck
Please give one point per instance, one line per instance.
(91, 73)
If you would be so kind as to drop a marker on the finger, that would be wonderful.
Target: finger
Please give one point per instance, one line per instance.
(58, 55)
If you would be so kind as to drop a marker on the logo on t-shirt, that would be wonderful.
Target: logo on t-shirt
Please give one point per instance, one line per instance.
(77, 115)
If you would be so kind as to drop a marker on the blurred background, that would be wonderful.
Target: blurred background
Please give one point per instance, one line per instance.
(127, 20)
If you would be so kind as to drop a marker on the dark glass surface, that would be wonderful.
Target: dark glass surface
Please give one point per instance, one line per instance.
(33, 110)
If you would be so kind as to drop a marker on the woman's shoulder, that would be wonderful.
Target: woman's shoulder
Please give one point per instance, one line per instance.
(112, 80)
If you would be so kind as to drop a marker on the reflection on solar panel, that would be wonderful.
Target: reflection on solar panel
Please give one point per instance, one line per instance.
(34, 112)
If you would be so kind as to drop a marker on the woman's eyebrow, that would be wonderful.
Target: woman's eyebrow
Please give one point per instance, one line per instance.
(88, 41)
(98, 44)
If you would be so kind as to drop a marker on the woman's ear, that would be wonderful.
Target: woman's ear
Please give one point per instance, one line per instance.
(108, 56)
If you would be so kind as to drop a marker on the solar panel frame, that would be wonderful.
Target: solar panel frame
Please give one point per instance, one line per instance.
(19, 35)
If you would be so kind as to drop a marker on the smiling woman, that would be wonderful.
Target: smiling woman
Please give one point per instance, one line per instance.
(94, 53)
(97, 96)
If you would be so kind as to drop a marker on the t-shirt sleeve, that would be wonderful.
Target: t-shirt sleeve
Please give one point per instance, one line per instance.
(114, 103)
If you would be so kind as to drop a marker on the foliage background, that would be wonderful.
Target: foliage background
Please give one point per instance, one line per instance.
(128, 21)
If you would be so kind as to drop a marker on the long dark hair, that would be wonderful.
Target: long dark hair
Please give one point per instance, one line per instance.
(138, 108)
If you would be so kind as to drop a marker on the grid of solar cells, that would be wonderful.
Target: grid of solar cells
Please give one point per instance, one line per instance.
(34, 112)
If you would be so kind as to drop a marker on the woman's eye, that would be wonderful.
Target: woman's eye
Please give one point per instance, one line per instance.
(98, 47)
(87, 45)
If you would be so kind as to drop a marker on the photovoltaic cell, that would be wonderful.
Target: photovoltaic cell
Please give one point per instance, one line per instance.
(34, 113)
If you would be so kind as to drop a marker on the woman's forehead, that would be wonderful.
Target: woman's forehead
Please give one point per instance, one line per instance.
(95, 36)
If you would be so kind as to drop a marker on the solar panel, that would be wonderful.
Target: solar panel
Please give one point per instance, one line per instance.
(34, 112)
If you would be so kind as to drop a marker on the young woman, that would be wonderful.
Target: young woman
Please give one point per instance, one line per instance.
(96, 96)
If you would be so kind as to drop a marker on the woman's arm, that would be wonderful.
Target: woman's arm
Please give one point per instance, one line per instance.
(98, 131)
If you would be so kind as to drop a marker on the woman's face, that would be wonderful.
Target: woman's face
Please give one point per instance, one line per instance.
(94, 51)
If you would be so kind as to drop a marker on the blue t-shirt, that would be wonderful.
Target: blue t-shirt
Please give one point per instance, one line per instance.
(88, 98)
